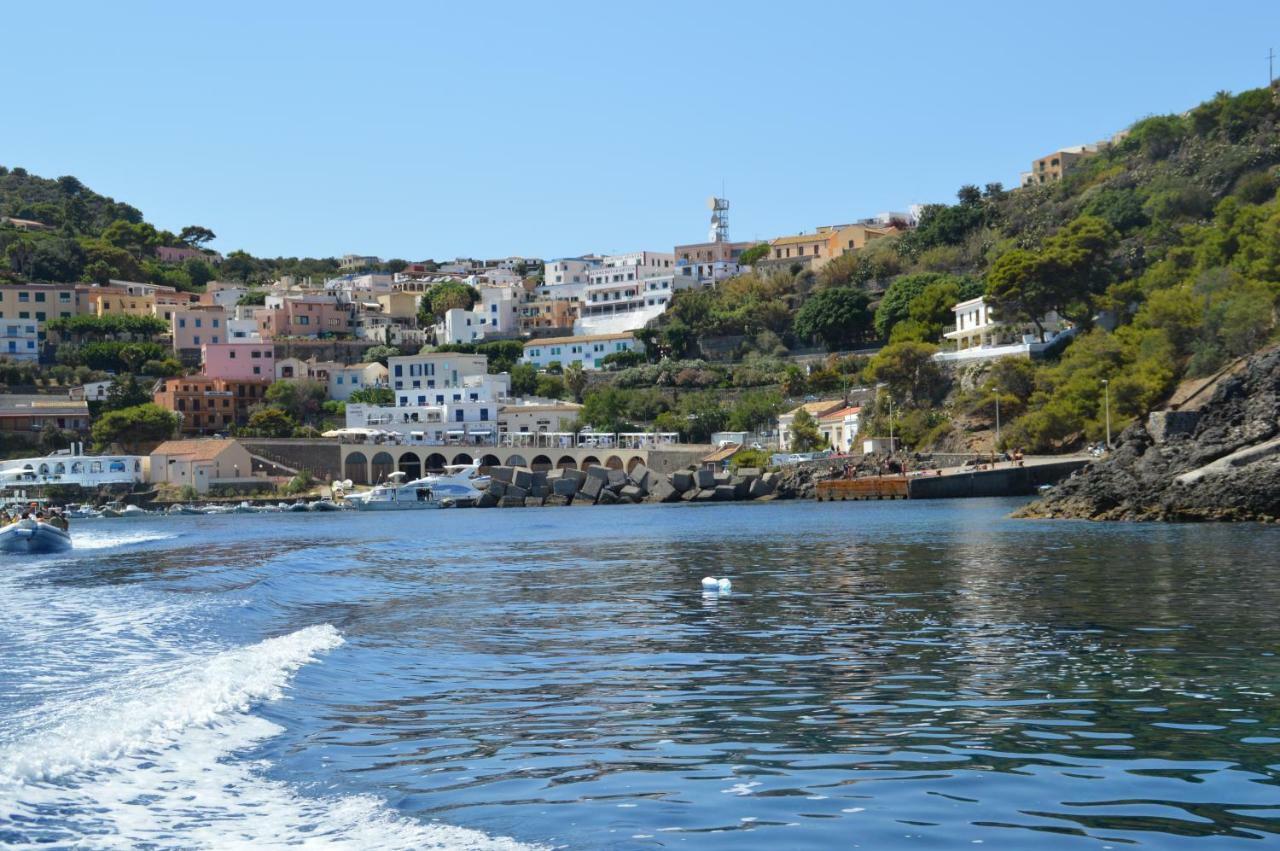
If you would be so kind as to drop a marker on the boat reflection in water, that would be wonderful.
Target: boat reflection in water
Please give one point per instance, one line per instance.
(458, 484)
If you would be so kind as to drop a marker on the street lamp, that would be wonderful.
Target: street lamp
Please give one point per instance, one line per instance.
(891, 445)
(1106, 401)
(997, 446)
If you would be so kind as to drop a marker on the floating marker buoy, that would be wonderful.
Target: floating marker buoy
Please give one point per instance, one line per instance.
(724, 585)
(709, 583)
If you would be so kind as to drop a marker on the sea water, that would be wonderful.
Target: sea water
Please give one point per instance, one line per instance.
(884, 675)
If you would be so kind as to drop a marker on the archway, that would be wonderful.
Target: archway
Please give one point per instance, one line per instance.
(567, 462)
(382, 466)
(356, 468)
(462, 458)
(516, 461)
(633, 463)
(590, 461)
(614, 463)
(410, 465)
(489, 461)
(59, 468)
(435, 462)
(541, 462)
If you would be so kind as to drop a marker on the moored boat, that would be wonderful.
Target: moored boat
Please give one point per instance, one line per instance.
(33, 537)
(459, 484)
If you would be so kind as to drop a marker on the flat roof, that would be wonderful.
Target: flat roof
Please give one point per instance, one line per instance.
(585, 338)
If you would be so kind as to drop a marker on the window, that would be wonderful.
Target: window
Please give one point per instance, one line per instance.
(255, 354)
(24, 296)
(40, 315)
(458, 415)
(197, 339)
(257, 370)
(484, 414)
(182, 323)
(39, 296)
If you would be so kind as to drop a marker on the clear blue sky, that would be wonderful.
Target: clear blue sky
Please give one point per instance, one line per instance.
(422, 130)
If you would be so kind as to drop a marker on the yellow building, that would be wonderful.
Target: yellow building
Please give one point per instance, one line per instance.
(825, 244)
(114, 302)
(399, 305)
(1053, 167)
(39, 301)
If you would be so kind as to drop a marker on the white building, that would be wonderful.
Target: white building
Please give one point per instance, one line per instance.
(347, 379)
(20, 339)
(611, 308)
(979, 335)
(71, 467)
(92, 391)
(635, 266)
(496, 314)
(589, 350)
(840, 428)
(440, 398)
(224, 294)
(568, 270)
(538, 416)
(243, 331)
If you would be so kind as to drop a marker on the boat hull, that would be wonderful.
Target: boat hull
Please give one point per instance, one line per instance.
(395, 504)
(30, 537)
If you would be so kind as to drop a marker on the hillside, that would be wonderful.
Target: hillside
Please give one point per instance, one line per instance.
(1169, 238)
(90, 237)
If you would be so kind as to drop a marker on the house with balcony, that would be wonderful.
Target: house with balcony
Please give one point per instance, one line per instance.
(19, 340)
(41, 302)
(304, 315)
(238, 361)
(347, 379)
(440, 398)
(205, 405)
(979, 334)
(194, 327)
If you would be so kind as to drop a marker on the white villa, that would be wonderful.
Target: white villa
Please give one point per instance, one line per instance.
(589, 350)
(979, 335)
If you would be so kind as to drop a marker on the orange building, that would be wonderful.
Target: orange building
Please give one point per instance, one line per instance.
(208, 405)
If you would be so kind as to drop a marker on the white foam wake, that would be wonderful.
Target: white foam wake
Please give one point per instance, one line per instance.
(102, 539)
(160, 768)
(156, 713)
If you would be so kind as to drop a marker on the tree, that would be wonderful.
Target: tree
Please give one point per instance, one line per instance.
(895, 307)
(756, 410)
(754, 254)
(549, 387)
(606, 409)
(133, 428)
(372, 396)
(837, 316)
(805, 436)
(196, 235)
(524, 379)
(575, 379)
(912, 375)
(381, 353)
(271, 422)
(301, 399)
(125, 392)
(447, 296)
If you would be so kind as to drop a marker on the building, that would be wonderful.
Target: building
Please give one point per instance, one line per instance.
(20, 414)
(242, 330)
(416, 379)
(356, 262)
(345, 380)
(303, 316)
(117, 301)
(71, 467)
(181, 254)
(40, 302)
(223, 294)
(201, 464)
(568, 270)
(238, 361)
(496, 314)
(589, 350)
(93, 391)
(840, 428)
(399, 304)
(19, 339)
(979, 335)
(207, 405)
(612, 308)
(542, 314)
(815, 250)
(817, 410)
(1053, 167)
(195, 327)
(539, 416)
(710, 252)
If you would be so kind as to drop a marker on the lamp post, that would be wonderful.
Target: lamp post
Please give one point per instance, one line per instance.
(1106, 402)
(997, 446)
(891, 445)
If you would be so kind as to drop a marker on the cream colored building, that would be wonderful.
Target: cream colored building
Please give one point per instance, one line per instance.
(538, 417)
(200, 463)
(840, 428)
(817, 410)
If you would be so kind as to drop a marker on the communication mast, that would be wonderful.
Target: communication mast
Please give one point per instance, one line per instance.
(719, 208)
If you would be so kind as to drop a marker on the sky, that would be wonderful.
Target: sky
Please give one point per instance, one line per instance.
(440, 129)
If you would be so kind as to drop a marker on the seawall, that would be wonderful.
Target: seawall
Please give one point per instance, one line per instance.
(1004, 481)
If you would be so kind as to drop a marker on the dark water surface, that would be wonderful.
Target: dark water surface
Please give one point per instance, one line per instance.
(883, 675)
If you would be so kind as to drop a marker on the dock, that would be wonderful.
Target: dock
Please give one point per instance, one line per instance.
(1003, 479)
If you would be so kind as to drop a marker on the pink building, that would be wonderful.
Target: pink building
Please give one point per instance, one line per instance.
(239, 361)
(304, 316)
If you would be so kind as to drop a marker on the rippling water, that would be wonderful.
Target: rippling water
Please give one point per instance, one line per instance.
(882, 675)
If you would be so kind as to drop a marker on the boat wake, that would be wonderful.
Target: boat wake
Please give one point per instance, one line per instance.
(100, 539)
(157, 762)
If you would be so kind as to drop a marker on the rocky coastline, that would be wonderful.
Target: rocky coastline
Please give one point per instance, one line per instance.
(1213, 460)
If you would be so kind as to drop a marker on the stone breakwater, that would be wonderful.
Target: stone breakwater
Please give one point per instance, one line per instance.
(519, 487)
(1219, 461)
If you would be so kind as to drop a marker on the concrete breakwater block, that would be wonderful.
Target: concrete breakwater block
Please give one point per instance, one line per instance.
(564, 487)
(607, 497)
(706, 479)
(511, 502)
(682, 481)
(641, 477)
(515, 492)
(664, 491)
(557, 499)
(556, 473)
(741, 487)
(631, 493)
(595, 471)
(690, 495)
(705, 495)
(724, 477)
(500, 474)
(533, 502)
(617, 477)
(758, 488)
(749, 472)
(522, 477)
(592, 487)
(487, 500)
(723, 493)
(497, 488)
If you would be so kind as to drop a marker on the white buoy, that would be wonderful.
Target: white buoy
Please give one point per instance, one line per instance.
(724, 585)
(709, 583)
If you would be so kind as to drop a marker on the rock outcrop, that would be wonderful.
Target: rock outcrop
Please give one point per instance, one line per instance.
(1220, 462)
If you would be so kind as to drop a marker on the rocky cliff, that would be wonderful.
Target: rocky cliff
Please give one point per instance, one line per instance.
(1218, 461)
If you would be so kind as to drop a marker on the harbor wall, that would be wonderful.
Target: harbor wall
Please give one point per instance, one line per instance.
(1005, 481)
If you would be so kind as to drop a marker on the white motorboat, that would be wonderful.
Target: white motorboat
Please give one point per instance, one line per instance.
(298, 506)
(246, 508)
(459, 484)
(183, 509)
(217, 509)
(32, 537)
(324, 505)
(133, 511)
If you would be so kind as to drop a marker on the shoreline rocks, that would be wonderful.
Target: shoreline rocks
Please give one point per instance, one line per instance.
(1218, 463)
